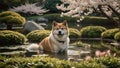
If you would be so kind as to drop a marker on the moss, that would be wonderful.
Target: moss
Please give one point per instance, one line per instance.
(37, 35)
(74, 33)
(110, 33)
(10, 18)
(47, 62)
(92, 31)
(117, 36)
(109, 62)
(8, 37)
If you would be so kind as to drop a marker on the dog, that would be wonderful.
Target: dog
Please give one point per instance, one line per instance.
(57, 41)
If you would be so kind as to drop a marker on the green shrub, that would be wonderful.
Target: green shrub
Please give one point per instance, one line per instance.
(92, 31)
(74, 33)
(85, 64)
(10, 18)
(47, 62)
(109, 62)
(8, 37)
(117, 36)
(110, 33)
(97, 21)
(37, 35)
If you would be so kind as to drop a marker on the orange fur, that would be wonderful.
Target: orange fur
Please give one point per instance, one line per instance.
(52, 42)
(47, 44)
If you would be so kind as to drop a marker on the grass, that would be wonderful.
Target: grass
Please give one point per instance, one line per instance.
(47, 62)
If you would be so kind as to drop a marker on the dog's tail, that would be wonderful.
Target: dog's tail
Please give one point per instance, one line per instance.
(34, 48)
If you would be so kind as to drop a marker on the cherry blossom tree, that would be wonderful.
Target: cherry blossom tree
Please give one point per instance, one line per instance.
(76, 8)
(29, 9)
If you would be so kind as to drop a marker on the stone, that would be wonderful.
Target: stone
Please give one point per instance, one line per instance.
(30, 26)
(41, 19)
(115, 44)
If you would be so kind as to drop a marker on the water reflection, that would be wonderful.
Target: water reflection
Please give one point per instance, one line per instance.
(73, 53)
(80, 51)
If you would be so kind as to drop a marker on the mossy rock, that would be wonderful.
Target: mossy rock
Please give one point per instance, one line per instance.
(37, 35)
(8, 37)
(92, 31)
(110, 33)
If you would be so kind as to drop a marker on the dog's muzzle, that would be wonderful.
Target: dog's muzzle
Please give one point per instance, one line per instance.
(60, 33)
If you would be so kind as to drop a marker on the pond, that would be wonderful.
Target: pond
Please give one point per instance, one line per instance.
(74, 53)
(77, 50)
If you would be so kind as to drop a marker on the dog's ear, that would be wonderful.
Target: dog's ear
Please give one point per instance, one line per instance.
(65, 23)
(54, 23)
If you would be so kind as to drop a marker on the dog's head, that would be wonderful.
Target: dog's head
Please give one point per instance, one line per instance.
(60, 29)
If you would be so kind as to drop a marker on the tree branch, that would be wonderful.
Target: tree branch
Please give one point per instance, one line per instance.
(110, 18)
(118, 14)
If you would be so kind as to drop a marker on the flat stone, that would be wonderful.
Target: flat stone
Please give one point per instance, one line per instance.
(41, 55)
(84, 52)
(115, 44)
(73, 52)
(13, 53)
(12, 48)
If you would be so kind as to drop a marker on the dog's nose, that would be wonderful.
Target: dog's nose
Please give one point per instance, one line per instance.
(59, 32)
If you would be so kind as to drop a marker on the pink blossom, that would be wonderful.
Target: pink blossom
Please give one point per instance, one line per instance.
(79, 6)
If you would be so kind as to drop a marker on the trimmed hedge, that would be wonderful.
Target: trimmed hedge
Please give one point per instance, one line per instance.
(37, 35)
(110, 33)
(92, 31)
(47, 62)
(8, 37)
(10, 18)
(98, 21)
(74, 33)
(117, 36)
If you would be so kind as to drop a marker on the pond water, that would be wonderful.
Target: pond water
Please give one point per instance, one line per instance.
(73, 54)
(76, 51)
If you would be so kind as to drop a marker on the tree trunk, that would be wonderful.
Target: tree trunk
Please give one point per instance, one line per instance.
(117, 23)
(117, 14)
(9, 27)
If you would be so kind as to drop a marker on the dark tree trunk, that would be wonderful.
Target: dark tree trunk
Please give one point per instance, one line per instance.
(9, 27)
(117, 14)
(117, 22)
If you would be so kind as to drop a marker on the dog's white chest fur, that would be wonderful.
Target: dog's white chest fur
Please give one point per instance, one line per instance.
(59, 46)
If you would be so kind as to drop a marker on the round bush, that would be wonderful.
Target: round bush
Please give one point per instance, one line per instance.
(8, 37)
(117, 36)
(74, 33)
(37, 35)
(109, 34)
(10, 18)
(92, 31)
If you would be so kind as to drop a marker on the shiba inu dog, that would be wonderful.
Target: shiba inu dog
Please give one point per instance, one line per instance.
(57, 41)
